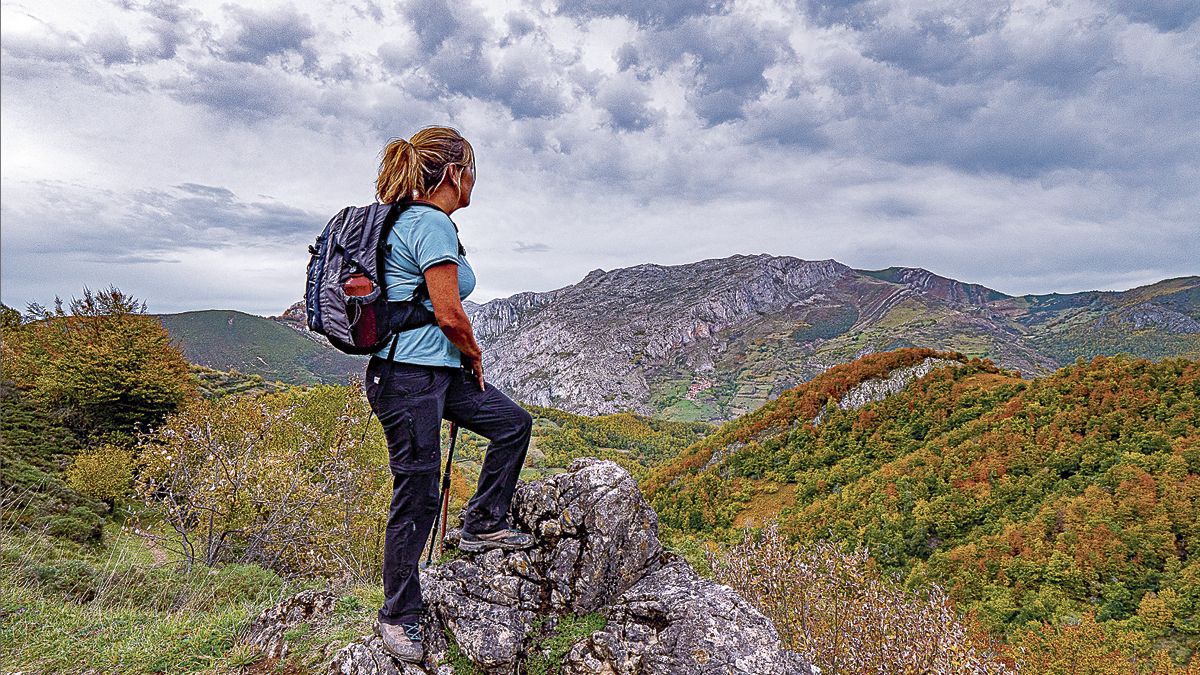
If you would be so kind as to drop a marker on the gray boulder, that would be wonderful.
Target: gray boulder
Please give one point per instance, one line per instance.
(597, 550)
(265, 633)
(673, 622)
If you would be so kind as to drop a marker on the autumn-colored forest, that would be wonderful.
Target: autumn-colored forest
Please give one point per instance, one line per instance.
(1042, 503)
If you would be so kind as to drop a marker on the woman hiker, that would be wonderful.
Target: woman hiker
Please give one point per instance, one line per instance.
(435, 373)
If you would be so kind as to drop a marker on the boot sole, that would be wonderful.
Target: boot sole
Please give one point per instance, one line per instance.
(480, 546)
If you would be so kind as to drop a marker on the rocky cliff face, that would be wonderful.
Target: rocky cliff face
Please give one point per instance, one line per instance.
(597, 552)
(877, 389)
(598, 346)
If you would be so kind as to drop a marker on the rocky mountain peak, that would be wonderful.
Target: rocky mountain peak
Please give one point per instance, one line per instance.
(631, 318)
(943, 288)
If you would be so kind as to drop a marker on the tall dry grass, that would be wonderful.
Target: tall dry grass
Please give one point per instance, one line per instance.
(840, 611)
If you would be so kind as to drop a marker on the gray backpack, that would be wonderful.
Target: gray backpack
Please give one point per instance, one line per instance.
(345, 298)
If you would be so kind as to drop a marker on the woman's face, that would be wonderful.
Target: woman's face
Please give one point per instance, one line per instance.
(466, 181)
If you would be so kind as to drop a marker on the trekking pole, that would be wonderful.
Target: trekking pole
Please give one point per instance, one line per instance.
(444, 502)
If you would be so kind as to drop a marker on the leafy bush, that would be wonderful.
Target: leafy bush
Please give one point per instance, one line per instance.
(295, 481)
(105, 363)
(33, 495)
(103, 472)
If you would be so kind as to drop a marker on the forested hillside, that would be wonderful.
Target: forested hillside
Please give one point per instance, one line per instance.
(1030, 501)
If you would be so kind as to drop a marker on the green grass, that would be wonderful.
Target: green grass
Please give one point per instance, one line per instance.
(457, 660)
(228, 340)
(65, 607)
(46, 634)
(548, 652)
(68, 608)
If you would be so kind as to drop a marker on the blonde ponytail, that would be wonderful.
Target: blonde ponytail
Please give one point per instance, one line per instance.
(414, 167)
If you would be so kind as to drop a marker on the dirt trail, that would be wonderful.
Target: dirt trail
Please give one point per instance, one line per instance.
(160, 556)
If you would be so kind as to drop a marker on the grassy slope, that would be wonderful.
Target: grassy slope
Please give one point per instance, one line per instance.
(1034, 334)
(1065, 327)
(68, 608)
(228, 340)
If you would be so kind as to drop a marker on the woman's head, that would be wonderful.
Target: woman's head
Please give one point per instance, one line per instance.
(417, 167)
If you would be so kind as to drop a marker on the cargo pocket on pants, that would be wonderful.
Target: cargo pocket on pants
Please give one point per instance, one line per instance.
(421, 428)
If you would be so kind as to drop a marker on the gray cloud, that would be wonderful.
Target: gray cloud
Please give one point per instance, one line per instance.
(983, 88)
(51, 46)
(259, 35)
(111, 46)
(173, 26)
(434, 21)
(733, 55)
(460, 54)
(1165, 15)
(368, 10)
(645, 12)
(151, 225)
(530, 247)
(895, 207)
(243, 91)
(728, 54)
(627, 103)
(519, 25)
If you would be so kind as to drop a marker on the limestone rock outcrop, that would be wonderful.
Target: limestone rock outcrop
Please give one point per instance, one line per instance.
(596, 552)
(877, 389)
(266, 632)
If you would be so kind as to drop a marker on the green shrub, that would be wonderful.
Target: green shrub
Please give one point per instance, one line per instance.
(73, 580)
(104, 472)
(33, 495)
(105, 363)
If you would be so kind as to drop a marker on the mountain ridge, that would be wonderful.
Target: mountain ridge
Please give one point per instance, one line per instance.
(716, 338)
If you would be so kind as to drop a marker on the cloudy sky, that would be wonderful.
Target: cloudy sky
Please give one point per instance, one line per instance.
(189, 151)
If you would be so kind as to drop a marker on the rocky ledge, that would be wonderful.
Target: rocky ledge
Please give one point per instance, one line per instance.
(597, 556)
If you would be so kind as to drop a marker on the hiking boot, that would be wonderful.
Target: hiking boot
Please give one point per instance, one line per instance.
(506, 539)
(403, 641)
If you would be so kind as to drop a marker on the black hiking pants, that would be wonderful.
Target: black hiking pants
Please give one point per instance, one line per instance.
(411, 401)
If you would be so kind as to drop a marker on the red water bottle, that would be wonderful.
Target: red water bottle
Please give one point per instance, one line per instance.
(363, 325)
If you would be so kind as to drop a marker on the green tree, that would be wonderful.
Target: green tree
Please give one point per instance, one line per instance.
(102, 362)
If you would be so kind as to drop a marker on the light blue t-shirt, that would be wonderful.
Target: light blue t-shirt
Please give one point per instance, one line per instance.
(423, 237)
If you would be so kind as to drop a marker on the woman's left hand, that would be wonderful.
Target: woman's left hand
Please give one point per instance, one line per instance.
(477, 368)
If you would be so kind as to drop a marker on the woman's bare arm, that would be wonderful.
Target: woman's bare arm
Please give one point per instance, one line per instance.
(442, 282)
